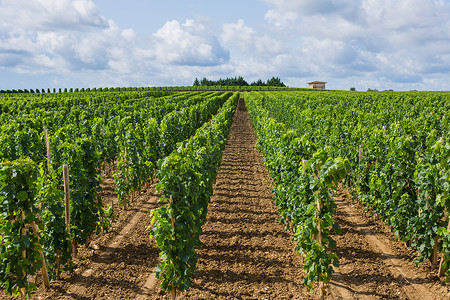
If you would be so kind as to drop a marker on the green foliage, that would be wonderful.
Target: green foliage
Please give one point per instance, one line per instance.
(19, 246)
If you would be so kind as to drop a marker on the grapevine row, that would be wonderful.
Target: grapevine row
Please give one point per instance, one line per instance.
(304, 179)
(186, 179)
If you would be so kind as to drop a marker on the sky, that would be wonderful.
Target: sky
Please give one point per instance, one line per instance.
(376, 44)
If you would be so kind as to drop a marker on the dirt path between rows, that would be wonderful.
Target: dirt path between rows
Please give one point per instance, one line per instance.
(373, 265)
(247, 254)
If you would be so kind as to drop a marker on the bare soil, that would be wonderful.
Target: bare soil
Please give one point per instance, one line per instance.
(247, 254)
(373, 264)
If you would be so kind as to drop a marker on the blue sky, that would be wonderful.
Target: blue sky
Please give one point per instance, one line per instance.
(378, 44)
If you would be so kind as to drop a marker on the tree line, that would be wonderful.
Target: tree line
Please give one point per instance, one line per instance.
(238, 81)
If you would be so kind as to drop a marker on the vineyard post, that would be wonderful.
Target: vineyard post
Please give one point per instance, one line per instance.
(58, 252)
(434, 257)
(23, 291)
(319, 241)
(173, 292)
(105, 163)
(47, 143)
(126, 198)
(44, 263)
(67, 206)
(441, 269)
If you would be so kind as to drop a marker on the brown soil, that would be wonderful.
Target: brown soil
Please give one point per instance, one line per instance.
(373, 265)
(247, 254)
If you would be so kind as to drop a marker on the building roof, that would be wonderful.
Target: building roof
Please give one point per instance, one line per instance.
(312, 82)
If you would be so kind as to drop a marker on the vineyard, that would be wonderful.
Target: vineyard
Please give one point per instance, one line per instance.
(158, 193)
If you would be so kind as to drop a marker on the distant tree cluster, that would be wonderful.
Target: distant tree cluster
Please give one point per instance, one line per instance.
(238, 81)
(72, 90)
(274, 81)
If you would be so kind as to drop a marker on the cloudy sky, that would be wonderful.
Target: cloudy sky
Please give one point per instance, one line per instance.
(378, 44)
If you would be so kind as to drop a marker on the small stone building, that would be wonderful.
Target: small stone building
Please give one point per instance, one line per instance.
(317, 84)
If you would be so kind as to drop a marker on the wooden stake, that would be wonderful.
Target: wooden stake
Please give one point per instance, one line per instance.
(23, 291)
(44, 263)
(67, 207)
(74, 248)
(319, 222)
(58, 263)
(173, 293)
(434, 257)
(47, 143)
(442, 270)
(125, 200)
(319, 241)
(174, 290)
(66, 196)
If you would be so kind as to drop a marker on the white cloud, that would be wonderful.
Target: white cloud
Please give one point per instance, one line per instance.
(73, 42)
(188, 44)
(48, 14)
(247, 40)
(314, 7)
(39, 37)
(238, 35)
(280, 19)
(400, 41)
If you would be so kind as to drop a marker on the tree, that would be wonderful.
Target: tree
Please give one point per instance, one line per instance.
(196, 82)
(352, 89)
(258, 83)
(275, 81)
(241, 81)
